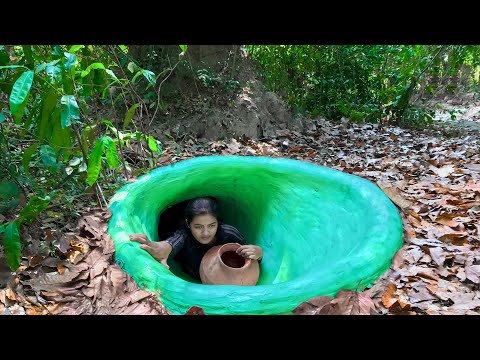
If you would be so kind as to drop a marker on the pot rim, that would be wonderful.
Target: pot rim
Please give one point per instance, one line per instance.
(232, 247)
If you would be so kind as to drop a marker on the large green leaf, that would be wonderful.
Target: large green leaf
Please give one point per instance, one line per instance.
(2, 117)
(69, 60)
(18, 116)
(74, 48)
(129, 115)
(13, 67)
(139, 72)
(19, 93)
(150, 76)
(183, 47)
(152, 144)
(69, 110)
(91, 67)
(112, 74)
(41, 67)
(34, 113)
(35, 206)
(49, 101)
(59, 136)
(54, 71)
(109, 124)
(95, 162)
(48, 157)
(110, 152)
(132, 67)
(11, 245)
(27, 155)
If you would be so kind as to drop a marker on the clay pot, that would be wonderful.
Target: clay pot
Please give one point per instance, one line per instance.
(222, 265)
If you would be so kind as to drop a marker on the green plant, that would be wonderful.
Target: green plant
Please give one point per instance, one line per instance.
(11, 229)
(417, 116)
(231, 85)
(453, 113)
(211, 80)
(54, 137)
(208, 79)
(373, 82)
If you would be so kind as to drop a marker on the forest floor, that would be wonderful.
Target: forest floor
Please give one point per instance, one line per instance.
(432, 176)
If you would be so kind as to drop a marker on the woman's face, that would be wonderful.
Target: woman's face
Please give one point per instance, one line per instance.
(203, 228)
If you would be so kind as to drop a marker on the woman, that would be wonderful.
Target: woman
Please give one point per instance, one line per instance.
(201, 231)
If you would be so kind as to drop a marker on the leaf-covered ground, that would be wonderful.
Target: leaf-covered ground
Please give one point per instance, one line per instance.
(433, 179)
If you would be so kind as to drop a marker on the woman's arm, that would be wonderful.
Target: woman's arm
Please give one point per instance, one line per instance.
(177, 241)
(162, 250)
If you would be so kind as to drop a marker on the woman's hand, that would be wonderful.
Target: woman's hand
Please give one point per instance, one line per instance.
(253, 252)
(160, 250)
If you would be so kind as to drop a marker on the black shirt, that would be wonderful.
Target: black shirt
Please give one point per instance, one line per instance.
(189, 252)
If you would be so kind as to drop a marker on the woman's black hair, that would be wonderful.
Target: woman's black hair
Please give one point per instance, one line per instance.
(201, 206)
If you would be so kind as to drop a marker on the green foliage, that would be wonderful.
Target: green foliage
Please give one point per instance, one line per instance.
(208, 79)
(11, 238)
(110, 152)
(18, 96)
(52, 136)
(129, 115)
(417, 116)
(211, 80)
(363, 83)
(231, 85)
(70, 110)
(9, 195)
(35, 206)
(95, 162)
(11, 245)
(48, 157)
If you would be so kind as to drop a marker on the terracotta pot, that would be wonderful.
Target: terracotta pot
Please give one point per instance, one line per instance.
(222, 265)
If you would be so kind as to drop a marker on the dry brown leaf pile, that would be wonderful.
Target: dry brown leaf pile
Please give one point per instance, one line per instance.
(83, 280)
(434, 181)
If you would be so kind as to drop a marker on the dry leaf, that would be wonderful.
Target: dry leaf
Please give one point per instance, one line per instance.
(447, 219)
(2, 296)
(61, 269)
(472, 273)
(388, 297)
(10, 294)
(35, 260)
(437, 255)
(395, 196)
(33, 311)
(444, 171)
(348, 302)
(312, 306)
(474, 167)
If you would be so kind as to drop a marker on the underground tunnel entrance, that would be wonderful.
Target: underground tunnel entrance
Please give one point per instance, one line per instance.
(172, 219)
(321, 230)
